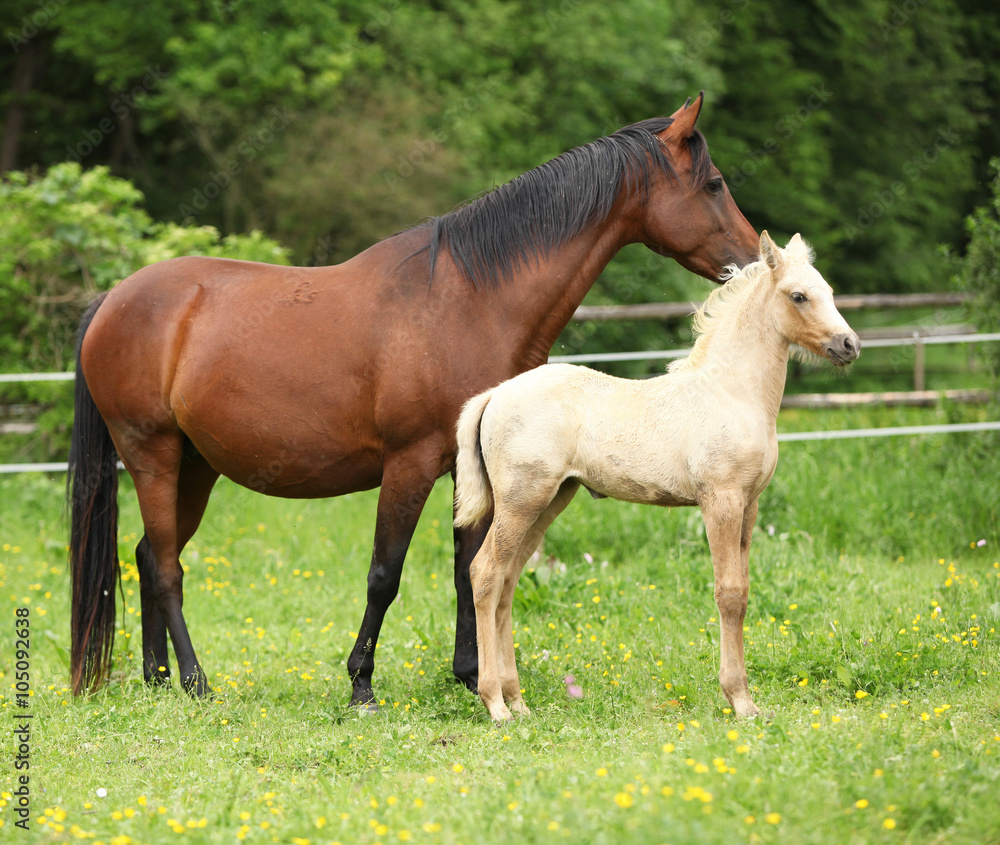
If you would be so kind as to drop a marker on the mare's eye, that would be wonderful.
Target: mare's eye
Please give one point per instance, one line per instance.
(799, 298)
(714, 186)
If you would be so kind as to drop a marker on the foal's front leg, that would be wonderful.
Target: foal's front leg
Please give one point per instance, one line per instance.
(729, 524)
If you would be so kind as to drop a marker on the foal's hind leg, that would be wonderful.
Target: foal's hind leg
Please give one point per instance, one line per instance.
(173, 491)
(512, 538)
(510, 682)
(729, 524)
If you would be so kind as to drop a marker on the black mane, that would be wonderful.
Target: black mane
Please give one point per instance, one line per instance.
(541, 209)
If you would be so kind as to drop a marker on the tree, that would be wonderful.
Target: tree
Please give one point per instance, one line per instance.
(979, 269)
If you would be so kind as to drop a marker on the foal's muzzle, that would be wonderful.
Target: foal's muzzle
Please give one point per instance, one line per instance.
(842, 349)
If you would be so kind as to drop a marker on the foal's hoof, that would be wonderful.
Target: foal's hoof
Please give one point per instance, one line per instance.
(519, 708)
(746, 710)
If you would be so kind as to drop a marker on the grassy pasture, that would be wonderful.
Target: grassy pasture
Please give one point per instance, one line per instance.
(871, 638)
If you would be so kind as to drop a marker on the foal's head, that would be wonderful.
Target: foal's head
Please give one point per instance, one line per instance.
(804, 309)
(690, 215)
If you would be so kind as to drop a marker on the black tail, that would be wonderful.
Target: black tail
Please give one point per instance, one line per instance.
(92, 488)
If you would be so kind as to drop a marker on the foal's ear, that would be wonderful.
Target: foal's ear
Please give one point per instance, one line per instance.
(770, 252)
(684, 120)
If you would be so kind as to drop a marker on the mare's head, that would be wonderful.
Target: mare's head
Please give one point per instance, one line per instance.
(690, 215)
(804, 310)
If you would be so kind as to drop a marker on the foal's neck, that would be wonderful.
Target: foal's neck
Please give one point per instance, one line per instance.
(749, 355)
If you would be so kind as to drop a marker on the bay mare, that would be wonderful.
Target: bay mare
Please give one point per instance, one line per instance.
(319, 381)
(703, 434)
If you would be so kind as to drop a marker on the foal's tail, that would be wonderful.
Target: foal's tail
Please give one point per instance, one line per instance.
(473, 491)
(92, 489)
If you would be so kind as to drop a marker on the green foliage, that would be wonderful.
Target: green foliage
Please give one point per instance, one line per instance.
(857, 126)
(979, 272)
(70, 233)
(866, 126)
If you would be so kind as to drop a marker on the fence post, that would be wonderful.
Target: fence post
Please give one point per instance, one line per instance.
(919, 362)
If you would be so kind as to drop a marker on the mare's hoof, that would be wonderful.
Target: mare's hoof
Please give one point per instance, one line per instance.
(365, 703)
(196, 686)
(158, 680)
(471, 684)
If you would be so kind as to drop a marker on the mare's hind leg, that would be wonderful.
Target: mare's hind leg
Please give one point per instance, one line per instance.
(173, 490)
(510, 682)
(729, 524)
(155, 662)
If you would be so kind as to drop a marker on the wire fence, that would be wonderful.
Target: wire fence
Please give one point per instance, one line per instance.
(917, 339)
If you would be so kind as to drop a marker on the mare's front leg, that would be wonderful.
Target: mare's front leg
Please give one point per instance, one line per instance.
(729, 524)
(406, 484)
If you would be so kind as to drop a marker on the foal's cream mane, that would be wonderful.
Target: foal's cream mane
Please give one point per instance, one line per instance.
(721, 300)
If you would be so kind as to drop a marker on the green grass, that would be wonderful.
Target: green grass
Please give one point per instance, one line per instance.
(871, 639)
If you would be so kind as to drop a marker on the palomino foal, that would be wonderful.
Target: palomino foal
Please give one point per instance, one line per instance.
(703, 434)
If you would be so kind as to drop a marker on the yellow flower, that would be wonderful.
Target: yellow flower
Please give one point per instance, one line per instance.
(773, 818)
(889, 824)
(861, 803)
(601, 772)
(860, 694)
(624, 800)
(733, 735)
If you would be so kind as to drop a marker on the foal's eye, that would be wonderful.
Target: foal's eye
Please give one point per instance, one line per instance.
(714, 186)
(798, 298)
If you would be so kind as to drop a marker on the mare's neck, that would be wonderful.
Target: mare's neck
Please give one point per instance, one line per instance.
(537, 302)
(748, 356)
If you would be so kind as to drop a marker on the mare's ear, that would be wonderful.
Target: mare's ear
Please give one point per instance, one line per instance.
(771, 253)
(684, 120)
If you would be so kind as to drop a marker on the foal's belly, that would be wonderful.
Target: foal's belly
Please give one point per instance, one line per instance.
(643, 493)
